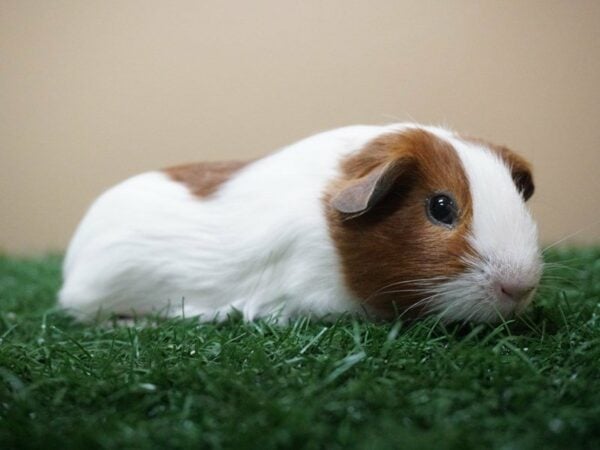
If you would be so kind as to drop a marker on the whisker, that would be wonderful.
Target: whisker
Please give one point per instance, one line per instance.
(570, 236)
(558, 278)
(425, 300)
(425, 282)
(557, 266)
(562, 261)
(401, 291)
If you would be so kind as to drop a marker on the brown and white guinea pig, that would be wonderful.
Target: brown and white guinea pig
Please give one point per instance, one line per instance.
(375, 220)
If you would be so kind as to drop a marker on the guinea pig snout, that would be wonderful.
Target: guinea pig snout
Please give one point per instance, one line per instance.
(494, 288)
(513, 291)
(512, 284)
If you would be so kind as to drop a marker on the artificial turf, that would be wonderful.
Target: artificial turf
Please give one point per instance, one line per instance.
(529, 383)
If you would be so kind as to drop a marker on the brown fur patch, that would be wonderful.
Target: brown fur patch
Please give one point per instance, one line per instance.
(394, 241)
(205, 178)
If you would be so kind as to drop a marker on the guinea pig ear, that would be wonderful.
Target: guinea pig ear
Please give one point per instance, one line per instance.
(520, 171)
(524, 182)
(365, 192)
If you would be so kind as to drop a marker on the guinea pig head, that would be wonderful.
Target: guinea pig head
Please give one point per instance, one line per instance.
(427, 222)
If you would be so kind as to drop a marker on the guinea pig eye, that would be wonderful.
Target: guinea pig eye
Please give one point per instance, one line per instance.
(442, 210)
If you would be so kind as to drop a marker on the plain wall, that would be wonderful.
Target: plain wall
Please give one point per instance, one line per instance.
(93, 92)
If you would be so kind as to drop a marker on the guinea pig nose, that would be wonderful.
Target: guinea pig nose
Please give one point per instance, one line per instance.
(515, 291)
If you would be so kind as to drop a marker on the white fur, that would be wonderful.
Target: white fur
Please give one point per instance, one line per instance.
(261, 245)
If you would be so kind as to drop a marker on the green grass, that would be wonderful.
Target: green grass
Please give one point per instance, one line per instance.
(530, 383)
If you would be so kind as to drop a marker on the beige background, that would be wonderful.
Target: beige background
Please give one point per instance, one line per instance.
(94, 91)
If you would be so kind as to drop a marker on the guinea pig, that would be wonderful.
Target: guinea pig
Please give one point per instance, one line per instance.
(377, 221)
